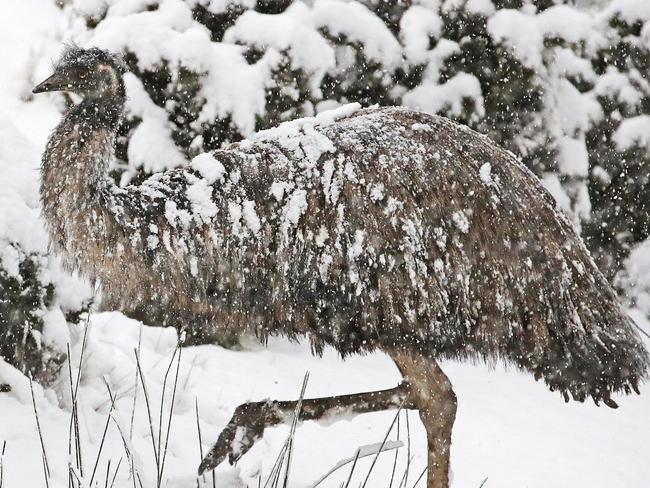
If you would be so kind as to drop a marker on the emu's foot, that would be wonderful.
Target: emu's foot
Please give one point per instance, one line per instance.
(245, 428)
(250, 419)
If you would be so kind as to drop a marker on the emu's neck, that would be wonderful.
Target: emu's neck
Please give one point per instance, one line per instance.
(98, 112)
(75, 179)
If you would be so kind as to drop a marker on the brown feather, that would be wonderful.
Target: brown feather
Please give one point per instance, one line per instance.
(395, 230)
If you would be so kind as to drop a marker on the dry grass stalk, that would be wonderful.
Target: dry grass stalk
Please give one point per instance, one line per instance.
(46, 465)
(383, 443)
(2, 463)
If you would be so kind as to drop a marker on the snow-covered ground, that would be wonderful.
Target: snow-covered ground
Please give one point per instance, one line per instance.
(510, 430)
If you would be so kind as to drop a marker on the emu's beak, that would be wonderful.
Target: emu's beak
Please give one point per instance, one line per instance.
(56, 82)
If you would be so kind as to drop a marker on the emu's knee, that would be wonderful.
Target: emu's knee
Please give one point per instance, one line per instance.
(438, 412)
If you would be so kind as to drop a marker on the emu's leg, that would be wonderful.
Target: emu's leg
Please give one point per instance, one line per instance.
(431, 391)
(250, 419)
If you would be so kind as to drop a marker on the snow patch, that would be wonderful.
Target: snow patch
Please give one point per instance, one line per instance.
(418, 26)
(448, 98)
(461, 221)
(296, 206)
(357, 23)
(573, 158)
(633, 132)
(200, 196)
(208, 167)
(485, 173)
(251, 218)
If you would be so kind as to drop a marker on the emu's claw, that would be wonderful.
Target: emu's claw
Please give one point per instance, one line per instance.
(248, 422)
(245, 428)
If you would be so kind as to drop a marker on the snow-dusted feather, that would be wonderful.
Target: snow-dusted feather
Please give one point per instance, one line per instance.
(371, 229)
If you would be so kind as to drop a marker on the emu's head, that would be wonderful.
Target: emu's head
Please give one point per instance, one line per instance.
(92, 73)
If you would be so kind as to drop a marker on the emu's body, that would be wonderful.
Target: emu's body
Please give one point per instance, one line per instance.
(386, 229)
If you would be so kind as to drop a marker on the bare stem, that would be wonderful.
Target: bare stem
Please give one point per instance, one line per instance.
(2, 463)
(383, 443)
(171, 409)
(354, 465)
(148, 404)
(420, 477)
(119, 463)
(135, 386)
(296, 415)
(46, 465)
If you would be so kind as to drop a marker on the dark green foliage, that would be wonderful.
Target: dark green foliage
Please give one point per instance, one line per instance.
(390, 11)
(286, 95)
(618, 188)
(512, 93)
(357, 78)
(23, 300)
(272, 6)
(621, 204)
(217, 23)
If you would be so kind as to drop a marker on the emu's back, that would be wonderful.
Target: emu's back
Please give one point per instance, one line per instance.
(385, 229)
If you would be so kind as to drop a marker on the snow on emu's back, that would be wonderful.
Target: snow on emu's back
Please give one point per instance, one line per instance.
(378, 228)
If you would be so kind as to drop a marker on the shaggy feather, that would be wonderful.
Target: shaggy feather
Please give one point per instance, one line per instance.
(386, 229)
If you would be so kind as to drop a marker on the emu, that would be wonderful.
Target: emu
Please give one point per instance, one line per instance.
(376, 229)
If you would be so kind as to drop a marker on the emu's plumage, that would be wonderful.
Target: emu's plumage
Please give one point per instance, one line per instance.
(387, 228)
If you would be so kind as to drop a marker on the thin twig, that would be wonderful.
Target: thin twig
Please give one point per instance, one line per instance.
(162, 404)
(2, 464)
(72, 471)
(408, 449)
(84, 345)
(392, 474)
(108, 472)
(73, 432)
(403, 480)
(101, 444)
(148, 404)
(198, 428)
(135, 386)
(72, 403)
(354, 464)
(296, 416)
(274, 477)
(171, 410)
(277, 466)
(640, 330)
(420, 477)
(119, 463)
(483, 483)
(374, 460)
(129, 455)
(364, 451)
(46, 465)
